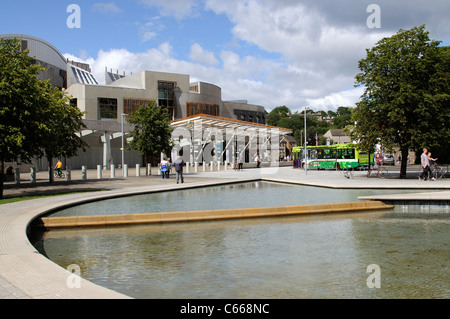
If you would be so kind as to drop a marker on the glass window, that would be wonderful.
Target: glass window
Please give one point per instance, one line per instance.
(166, 96)
(107, 108)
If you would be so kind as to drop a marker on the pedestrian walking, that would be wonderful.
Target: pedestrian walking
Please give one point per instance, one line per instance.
(241, 161)
(164, 167)
(425, 163)
(179, 163)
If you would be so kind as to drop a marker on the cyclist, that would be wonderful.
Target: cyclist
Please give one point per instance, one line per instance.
(58, 167)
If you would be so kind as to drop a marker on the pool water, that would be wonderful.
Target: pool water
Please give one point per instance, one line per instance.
(288, 257)
(240, 195)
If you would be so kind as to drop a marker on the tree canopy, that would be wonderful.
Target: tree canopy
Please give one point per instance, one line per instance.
(406, 95)
(282, 116)
(152, 132)
(35, 117)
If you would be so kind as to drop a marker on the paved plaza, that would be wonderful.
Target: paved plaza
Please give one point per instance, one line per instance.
(24, 273)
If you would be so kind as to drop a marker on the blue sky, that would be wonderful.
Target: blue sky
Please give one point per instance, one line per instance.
(270, 52)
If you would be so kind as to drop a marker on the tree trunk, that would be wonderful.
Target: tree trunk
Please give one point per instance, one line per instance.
(50, 170)
(2, 177)
(404, 151)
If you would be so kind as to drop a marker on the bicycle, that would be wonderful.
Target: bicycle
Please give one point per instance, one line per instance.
(380, 171)
(59, 174)
(436, 171)
(348, 173)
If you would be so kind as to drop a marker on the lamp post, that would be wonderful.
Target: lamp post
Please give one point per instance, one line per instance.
(123, 142)
(305, 151)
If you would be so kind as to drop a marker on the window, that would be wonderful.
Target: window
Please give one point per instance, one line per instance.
(107, 108)
(166, 96)
(130, 105)
(194, 108)
(346, 153)
(74, 102)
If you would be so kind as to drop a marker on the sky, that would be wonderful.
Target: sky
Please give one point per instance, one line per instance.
(296, 53)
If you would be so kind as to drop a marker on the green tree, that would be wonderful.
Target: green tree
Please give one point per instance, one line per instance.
(342, 118)
(277, 114)
(151, 134)
(405, 102)
(34, 116)
(61, 122)
(19, 114)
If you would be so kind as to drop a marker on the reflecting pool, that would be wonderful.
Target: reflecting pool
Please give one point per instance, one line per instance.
(240, 195)
(289, 257)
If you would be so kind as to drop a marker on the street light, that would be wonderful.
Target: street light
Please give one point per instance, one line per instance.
(305, 151)
(123, 154)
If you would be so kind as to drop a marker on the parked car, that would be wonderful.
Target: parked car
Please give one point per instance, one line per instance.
(388, 159)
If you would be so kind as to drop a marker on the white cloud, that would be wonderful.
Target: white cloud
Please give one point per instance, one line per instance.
(150, 29)
(317, 44)
(106, 7)
(178, 8)
(198, 54)
(334, 100)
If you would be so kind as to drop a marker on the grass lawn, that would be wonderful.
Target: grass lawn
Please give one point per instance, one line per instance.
(22, 198)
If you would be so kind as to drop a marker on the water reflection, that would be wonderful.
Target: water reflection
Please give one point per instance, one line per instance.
(242, 195)
(289, 257)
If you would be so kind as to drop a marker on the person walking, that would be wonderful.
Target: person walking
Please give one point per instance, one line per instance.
(432, 162)
(425, 163)
(258, 161)
(164, 168)
(169, 168)
(179, 163)
(241, 161)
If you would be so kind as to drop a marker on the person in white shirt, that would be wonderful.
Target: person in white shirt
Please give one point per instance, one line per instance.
(164, 167)
(424, 161)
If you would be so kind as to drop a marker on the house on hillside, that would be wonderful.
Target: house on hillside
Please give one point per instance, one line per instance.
(337, 136)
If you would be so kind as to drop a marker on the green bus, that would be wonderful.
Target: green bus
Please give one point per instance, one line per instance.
(337, 156)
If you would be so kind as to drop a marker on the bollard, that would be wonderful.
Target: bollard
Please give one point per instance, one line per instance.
(225, 165)
(83, 172)
(68, 173)
(211, 166)
(188, 165)
(113, 171)
(138, 170)
(99, 171)
(159, 169)
(16, 176)
(125, 170)
(218, 166)
(33, 175)
(149, 169)
(204, 166)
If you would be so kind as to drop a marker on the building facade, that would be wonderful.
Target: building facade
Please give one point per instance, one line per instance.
(107, 106)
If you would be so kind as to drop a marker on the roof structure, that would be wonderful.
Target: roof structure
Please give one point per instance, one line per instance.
(223, 123)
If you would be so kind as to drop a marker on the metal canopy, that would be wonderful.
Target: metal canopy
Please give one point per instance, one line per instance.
(208, 121)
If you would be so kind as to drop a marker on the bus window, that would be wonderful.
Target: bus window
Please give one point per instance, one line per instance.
(328, 154)
(352, 153)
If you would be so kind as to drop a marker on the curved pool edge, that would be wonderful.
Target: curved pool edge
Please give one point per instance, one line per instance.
(25, 273)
